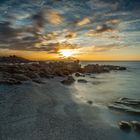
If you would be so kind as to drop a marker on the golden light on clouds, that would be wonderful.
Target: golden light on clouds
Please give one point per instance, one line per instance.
(54, 17)
(84, 21)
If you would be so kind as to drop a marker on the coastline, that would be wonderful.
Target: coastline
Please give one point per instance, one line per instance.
(49, 109)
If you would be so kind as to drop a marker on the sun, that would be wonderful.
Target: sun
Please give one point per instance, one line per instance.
(67, 53)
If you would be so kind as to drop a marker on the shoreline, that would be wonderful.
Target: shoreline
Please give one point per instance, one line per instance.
(48, 111)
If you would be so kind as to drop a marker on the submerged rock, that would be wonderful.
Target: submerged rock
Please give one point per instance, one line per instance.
(82, 81)
(20, 77)
(126, 105)
(124, 125)
(68, 81)
(96, 68)
(38, 81)
(90, 102)
(10, 81)
(77, 74)
(136, 125)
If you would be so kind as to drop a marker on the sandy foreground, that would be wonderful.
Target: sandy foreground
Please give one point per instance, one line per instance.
(50, 111)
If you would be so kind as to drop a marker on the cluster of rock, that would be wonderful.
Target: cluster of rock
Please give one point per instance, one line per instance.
(127, 126)
(19, 69)
(126, 105)
(96, 68)
(13, 59)
(16, 73)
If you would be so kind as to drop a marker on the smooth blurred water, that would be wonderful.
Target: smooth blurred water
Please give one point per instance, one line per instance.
(108, 87)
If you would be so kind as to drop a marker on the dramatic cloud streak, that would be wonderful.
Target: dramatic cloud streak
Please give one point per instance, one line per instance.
(47, 25)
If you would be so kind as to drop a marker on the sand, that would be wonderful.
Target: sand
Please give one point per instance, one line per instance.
(50, 111)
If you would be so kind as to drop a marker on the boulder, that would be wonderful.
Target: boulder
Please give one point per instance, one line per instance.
(90, 102)
(68, 81)
(82, 81)
(77, 74)
(20, 77)
(31, 74)
(136, 125)
(124, 125)
(10, 81)
(38, 81)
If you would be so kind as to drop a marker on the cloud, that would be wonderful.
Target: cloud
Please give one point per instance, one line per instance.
(102, 29)
(45, 16)
(39, 19)
(97, 49)
(84, 21)
(113, 21)
(71, 34)
(8, 33)
(54, 17)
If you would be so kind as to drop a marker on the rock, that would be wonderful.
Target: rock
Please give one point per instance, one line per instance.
(126, 105)
(95, 68)
(124, 125)
(38, 81)
(31, 74)
(122, 68)
(20, 77)
(90, 102)
(10, 81)
(77, 74)
(68, 81)
(82, 81)
(13, 59)
(136, 125)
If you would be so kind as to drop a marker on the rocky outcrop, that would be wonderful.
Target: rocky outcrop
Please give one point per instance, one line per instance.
(21, 69)
(136, 125)
(70, 80)
(82, 81)
(127, 126)
(90, 102)
(95, 68)
(124, 125)
(13, 59)
(77, 74)
(126, 105)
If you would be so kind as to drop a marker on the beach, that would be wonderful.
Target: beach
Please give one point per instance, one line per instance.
(54, 111)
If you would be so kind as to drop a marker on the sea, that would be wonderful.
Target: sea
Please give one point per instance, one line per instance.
(116, 94)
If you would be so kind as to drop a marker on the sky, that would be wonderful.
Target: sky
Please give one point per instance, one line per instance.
(70, 29)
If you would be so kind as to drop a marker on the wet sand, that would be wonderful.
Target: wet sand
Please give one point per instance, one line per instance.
(49, 111)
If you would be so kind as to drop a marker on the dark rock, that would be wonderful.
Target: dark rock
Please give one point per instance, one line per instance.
(19, 70)
(124, 125)
(68, 81)
(122, 68)
(38, 81)
(90, 102)
(95, 68)
(136, 125)
(13, 59)
(82, 81)
(77, 74)
(32, 74)
(10, 81)
(126, 105)
(20, 77)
